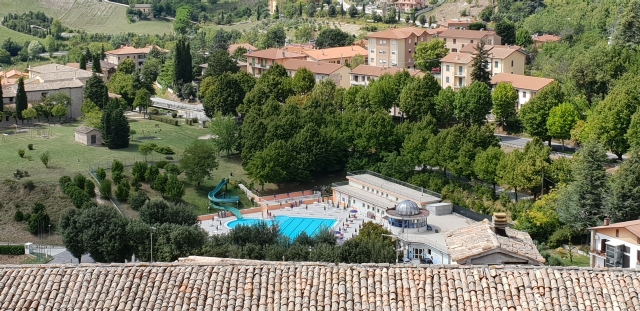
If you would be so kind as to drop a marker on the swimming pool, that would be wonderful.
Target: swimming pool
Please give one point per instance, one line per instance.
(289, 226)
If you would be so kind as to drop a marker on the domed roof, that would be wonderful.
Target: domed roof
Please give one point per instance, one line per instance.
(407, 208)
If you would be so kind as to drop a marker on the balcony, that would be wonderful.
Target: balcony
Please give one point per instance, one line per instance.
(459, 74)
(258, 65)
(598, 253)
(457, 86)
(363, 83)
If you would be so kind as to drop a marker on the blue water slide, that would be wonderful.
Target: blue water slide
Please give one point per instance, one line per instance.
(215, 199)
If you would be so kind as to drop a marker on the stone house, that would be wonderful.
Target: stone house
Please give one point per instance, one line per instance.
(88, 136)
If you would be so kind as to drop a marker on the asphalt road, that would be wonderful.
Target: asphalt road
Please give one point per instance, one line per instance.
(520, 142)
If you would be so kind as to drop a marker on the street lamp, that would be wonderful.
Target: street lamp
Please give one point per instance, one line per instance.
(152, 229)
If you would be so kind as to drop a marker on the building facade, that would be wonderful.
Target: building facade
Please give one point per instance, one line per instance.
(396, 47)
(526, 86)
(456, 39)
(260, 61)
(138, 55)
(615, 245)
(456, 67)
(338, 55)
(457, 23)
(321, 71)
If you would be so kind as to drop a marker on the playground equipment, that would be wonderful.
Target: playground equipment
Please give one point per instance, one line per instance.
(215, 199)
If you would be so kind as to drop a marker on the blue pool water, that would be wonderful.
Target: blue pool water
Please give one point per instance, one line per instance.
(290, 226)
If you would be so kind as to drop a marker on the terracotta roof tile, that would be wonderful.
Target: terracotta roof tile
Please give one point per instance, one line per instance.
(315, 67)
(521, 81)
(375, 71)
(252, 285)
(457, 58)
(233, 47)
(274, 53)
(337, 52)
(470, 34)
(127, 49)
(546, 38)
(397, 33)
(633, 226)
(472, 241)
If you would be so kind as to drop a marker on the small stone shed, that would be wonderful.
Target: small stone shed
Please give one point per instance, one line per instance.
(88, 136)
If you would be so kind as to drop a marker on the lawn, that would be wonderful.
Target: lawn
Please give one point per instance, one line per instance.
(15, 36)
(90, 15)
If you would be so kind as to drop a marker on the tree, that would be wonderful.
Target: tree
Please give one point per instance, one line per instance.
(303, 81)
(45, 157)
(633, 133)
(535, 113)
(115, 127)
(83, 61)
(581, 202)
(523, 38)
(175, 188)
(311, 9)
(271, 164)
(428, 54)
(224, 131)
(353, 11)
(275, 37)
(480, 64)
(104, 234)
(35, 48)
(160, 184)
(477, 26)
(50, 44)
(473, 103)
(333, 37)
(56, 28)
(417, 99)
(224, 95)
(198, 161)
(73, 233)
(445, 105)
(123, 190)
(507, 31)
(30, 113)
(505, 100)
(423, 20)
(150, 71)
(96, 91)
(507, 171)
(95, 63)
(356, 61)
(127, 67)
(486, 165)
(623, 196)
(105, 188)
(561, 120)
(146, 149)
(91, 114)
(143, 100)
(21, 99)
(628, 26)
(123, 84)
(182, 22)
(219, 63)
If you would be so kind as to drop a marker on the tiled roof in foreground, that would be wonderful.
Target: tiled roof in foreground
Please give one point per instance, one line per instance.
(251, 285)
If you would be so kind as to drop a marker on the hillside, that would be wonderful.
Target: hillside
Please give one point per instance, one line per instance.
(452, 8)
(89, 15)
(15, 36)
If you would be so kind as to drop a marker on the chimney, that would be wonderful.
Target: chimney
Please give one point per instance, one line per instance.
(500, 224)
(607, 221)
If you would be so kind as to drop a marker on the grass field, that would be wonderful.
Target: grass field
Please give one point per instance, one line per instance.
(90, 15)
(16, 36)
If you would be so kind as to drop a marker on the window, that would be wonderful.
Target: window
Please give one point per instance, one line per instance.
(10, 99)
(603, 245)
(454, 41)
(496, 64)
(372, 60)
(463, 45)
(471, 41)
(118, 57)
(383, 41)
(393, 52)
(393, 42)
(446, 68)
(617, 233)
(534, 94)
(454, 50)
(511, 63)
(44, 95)
(422, 39)
(524, 95)
(373, 51)
(490, 42)
(409, 41)
(362, 205)
(409, 51)
(446, 79)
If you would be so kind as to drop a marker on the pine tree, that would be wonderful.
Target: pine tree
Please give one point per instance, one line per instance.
(83, 61)
(95, 66)
(21, 100)
(480, 63)
(102, 56)
(188, 61)
(115, 127)
(96, 91)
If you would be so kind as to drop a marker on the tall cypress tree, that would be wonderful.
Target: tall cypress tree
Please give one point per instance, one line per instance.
(21, 100)
(188, 60)
(102, 51)
(177, 62)
(96, 64)
(96, 91)
(1, 101)
(115, 127)
(83, 61)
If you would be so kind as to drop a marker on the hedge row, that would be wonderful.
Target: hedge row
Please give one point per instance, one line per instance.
(11, 250)
(165, 120)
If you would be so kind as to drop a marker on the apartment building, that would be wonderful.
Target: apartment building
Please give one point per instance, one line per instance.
(321, 71)
(526, 86)
(339, 55)
(259, 61)
(457, 23)
(540, 40)
(396, 47)
(456, 67)
(615, 245)
(408, 5)
(457, 39)
(138, 55)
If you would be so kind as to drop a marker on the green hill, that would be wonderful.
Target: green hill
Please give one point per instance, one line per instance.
(90, 15)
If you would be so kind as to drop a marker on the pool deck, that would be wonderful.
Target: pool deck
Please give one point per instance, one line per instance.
(316, 210)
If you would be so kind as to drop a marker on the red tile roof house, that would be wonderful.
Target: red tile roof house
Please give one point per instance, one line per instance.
(259, 61)
(198, 283)
(321, 71)
(138, 55)
(527, 86)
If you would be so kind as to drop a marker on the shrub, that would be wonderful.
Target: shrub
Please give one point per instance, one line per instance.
(28, 185)
(64, 180)
(90, 188)
(139, 170)
(122, 192)
(151, 173)
(173, 169)
(559, 236)
(101, 173)
(77, 196)
(138, 200)
(38, 223)
(38, 208)
(164, 120)
(168, 157)
(44, 158)
(18, 216)
(21, 153)
(105, 189)
(155, 112)
(117, 166)
(174, 114)
(164, 150)
(30, 146)
(80, 181)
(555, 261)
(117, 177)
(30, 158)
(18, 174)
(11, 250)
(161, 164)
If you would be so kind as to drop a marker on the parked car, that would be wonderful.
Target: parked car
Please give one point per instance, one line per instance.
(426, 261)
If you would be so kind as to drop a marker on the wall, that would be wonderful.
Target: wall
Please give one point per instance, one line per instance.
(341, 77)
(518, 59)
(469, 213)
(626, 237)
